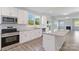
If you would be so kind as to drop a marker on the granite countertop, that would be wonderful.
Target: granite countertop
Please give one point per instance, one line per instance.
(17, 33)
(28, 29)
(57, 33)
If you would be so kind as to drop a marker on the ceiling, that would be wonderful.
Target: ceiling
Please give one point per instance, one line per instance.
(54, 11)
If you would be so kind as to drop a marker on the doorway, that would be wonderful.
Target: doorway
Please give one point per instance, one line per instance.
(76, 24)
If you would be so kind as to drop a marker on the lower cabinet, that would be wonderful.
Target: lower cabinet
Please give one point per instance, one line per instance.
(35, 33)
(48, 42)
(52, 42)
(23, 36)
(26, 36)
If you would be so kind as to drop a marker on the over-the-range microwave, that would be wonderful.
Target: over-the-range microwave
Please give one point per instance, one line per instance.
(9, 20)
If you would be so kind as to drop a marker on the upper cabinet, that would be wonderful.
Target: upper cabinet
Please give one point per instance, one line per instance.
(9, 11)
(14, 12)
(5, 11)
(22, 16)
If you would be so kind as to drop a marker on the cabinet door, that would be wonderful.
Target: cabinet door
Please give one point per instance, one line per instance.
(9, 11)
(33, 34)
(14, 12)
(37, 33)
(22, 17)
(6, 11)
(24, 36)
(48, 42)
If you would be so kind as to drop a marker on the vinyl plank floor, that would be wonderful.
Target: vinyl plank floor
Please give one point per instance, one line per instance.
(34, 45)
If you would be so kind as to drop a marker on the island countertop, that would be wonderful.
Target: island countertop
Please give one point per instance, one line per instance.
(57, 33)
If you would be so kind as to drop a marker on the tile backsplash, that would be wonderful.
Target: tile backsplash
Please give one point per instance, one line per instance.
(18, 26)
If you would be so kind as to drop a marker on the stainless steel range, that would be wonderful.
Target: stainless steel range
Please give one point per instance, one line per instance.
(9, 36)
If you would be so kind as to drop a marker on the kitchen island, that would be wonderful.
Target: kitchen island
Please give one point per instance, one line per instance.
(53, 41)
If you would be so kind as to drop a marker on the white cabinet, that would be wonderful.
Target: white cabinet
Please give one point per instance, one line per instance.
(14, 12)
(48, 42)
(22, 16)
(35, 33)
(24, 36)
(6, 11)
(53, 42)
(29, 35)
(9, 11)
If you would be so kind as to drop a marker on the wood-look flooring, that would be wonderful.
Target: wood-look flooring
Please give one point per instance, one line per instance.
(71, 44)
(34, 45)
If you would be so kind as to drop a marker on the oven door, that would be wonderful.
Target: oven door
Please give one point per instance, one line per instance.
(9, 40)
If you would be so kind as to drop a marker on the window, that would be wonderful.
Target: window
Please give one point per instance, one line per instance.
(30, 19)
(33, 20)
(37, 20)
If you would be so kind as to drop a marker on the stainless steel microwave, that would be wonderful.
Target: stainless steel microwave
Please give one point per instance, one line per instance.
(9, 20)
